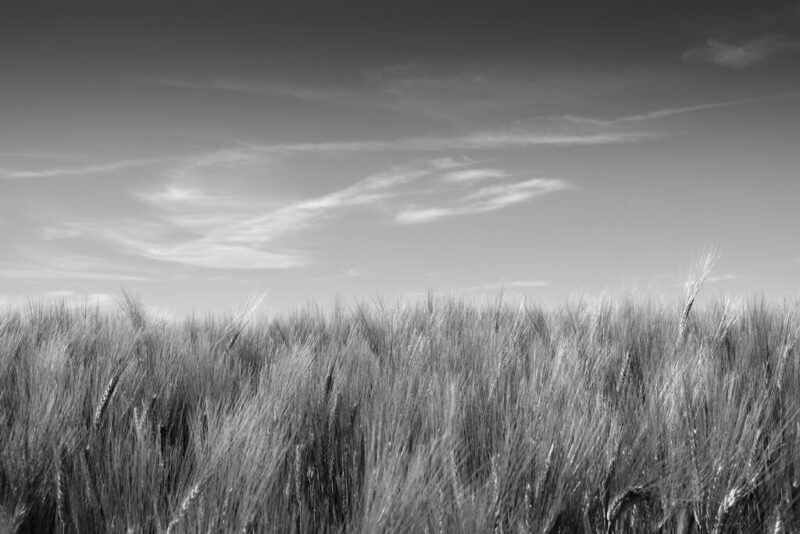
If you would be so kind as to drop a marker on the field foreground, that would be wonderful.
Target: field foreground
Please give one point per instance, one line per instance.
(614, 416)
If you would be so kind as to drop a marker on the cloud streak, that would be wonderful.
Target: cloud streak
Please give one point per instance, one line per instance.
(499, 139)
(65, 267)
(673, 111)
(741, 54)
(37, 273)
(474, 175)
(484, 200)
(85, 170)
(485, 140)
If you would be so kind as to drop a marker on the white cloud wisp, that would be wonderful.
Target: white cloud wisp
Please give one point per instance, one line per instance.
(743, 54)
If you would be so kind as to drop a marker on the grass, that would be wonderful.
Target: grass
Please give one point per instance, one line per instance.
(434, 417)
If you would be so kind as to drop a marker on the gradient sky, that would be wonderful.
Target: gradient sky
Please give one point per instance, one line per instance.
(201, 152)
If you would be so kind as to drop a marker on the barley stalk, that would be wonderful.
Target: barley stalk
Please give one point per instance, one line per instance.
(456, 482)
(548, 464)
(238, 325)
(779, 526)
(785, 355)
(20, 513)
(624, 374)
(298, 473)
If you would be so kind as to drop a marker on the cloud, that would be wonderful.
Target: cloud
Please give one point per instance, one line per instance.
(741, 54)
(207, 226)
(65, 267)
(209, 223)
(499, 139)
(441, 93)
(58, 172)
(474, 175)
(484, 200)
(34, 273)
(509, 139)
(451, 162)
(198, 214)
(160, 241)
(423, 215)
(670, 112)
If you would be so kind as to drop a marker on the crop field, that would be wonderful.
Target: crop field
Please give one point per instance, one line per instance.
(617, 415)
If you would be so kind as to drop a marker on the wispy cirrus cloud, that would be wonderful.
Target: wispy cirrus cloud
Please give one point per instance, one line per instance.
(497, 139)
(447, 93)
(235, 232)
(80, 170)
(161, 241)
(197, 216)
(484, 200)
(664, 113)
(743, 53)
(474, 175)
(66, 267)
(32, 272)
(206, 223)
(182, 170)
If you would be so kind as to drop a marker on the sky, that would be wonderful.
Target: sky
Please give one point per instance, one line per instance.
(199, 153)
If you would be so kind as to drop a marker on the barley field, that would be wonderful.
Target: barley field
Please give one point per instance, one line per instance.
(614, 415)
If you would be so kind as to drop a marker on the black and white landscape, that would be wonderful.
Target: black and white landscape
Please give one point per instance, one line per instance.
(399, 266)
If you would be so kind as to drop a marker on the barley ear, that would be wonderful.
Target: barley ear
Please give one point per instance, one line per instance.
(134, 309)
(726, 508)
(60, 487)
(191, 496)
(498, 515)
(693, 288)
(20, 513)
(105, 399)
(622, 502)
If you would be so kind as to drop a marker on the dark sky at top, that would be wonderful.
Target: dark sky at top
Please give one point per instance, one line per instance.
(330, 36)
